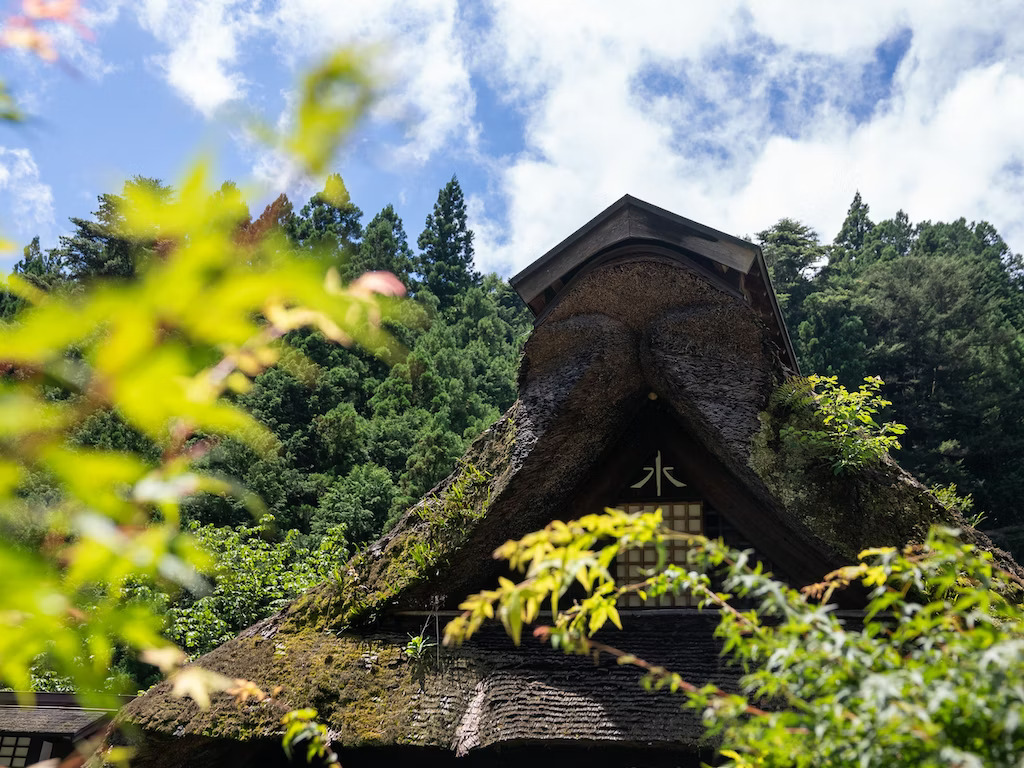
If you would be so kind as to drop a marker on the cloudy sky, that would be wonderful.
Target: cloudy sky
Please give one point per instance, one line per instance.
(731, 113)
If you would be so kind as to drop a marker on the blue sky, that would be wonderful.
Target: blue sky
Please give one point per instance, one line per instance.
(732, 113)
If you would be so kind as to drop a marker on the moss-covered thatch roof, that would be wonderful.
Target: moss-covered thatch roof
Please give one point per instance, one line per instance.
(635, 346)
(372, 696)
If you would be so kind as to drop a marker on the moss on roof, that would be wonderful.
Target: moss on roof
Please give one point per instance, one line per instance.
(878, 504)
(423, 542)
(370, 693)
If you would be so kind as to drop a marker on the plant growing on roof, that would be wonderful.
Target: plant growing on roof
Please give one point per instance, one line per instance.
(948, 497)
(306, 737)
(447, 514)
(846, 432)
(417, 646)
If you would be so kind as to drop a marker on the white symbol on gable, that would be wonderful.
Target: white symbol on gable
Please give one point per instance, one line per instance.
(656, 472)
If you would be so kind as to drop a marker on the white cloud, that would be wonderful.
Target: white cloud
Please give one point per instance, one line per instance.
(24, 195)
(422, 62)
(832, 29)
(80, 52)
(426, 83)
(102, 13)
(736, 114)
(733, 112)
(273, 171)
(203, 38)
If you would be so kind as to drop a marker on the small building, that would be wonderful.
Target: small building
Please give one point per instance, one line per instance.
(43, 726)
(647, 382)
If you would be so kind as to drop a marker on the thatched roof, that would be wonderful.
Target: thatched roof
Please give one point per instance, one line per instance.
(732, 263)
(638, 347)
(54, 715)
(490, 694)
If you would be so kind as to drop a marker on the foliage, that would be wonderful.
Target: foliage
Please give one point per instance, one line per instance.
(302, 731)
(946, 333)
(329, 222)
(848, 436)
(41, 269)
(361, 442)
(950, 499)
(351, 441)
(446, 261)
(931, 676)
(360, 502)
(105, 246)
(162, 360)
(831, 334)
(126, 389)
(254, 573)
(384, 247)
(937, 310)
(447, 514)
(855, 229)
(791, 251)
(417, 646)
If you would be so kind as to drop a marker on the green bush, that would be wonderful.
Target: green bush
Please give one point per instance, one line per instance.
(847, 434)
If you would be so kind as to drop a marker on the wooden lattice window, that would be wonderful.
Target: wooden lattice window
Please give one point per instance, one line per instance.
(634, 565)
(14, 751)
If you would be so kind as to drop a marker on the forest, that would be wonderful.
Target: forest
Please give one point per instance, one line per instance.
(935, 309)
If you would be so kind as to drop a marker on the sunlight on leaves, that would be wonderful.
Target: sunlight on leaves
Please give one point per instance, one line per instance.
(208, 308)
(931, 675)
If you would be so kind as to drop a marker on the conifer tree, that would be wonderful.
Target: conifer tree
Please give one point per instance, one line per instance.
(329, 221)
(43, 269)
(791, 249)
(278, 214)
(446, 244)
(892, 238)
(99, 248)
(384, 247)
(856, 226)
